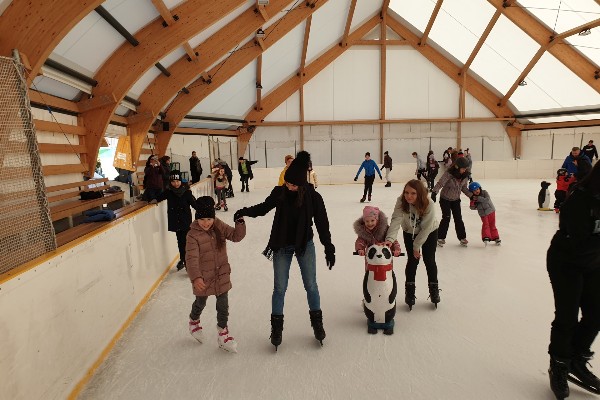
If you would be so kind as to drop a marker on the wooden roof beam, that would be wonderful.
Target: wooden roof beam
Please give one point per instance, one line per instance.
(481, 40)
(434, 14)
(169, 19)
(344, 42)
(236, 62)
(568, 55)
(558, 125)
(384, 7)
(192, 55)
(258, 80)
(263, 11)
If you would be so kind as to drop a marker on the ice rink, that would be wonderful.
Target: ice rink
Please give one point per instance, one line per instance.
(487, 340)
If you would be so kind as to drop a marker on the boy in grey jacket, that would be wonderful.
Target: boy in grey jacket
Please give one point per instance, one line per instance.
(482, 202)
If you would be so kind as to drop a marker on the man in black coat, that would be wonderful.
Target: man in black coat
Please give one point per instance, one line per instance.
(590, 150)
(195, 168)
(245, 170)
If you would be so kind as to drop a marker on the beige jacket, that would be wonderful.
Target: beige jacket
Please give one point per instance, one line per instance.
(312, 178)
(204, 260)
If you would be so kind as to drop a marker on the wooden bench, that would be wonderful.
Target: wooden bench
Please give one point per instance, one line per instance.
(71, 205)
(83, 229)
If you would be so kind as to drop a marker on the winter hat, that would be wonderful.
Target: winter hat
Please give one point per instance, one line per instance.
(370, 211)
(296, 172)
(461, 162)
(205, 207)
(175, 175)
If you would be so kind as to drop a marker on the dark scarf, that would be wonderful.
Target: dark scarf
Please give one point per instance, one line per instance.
(178, 191)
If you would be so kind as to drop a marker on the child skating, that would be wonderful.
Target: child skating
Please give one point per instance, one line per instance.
(563, 180)
(209, 269)
(482, 202)
(370, 167)
(221, 186)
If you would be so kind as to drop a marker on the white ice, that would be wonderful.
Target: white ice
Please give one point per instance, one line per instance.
(487, 340)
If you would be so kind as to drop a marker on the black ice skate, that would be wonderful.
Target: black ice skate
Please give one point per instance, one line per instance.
(276, 330)
(558, 373)
(363, 199)
(316, 321)
(409, 297)
(581, 376)
(434, 293)
(180, 265)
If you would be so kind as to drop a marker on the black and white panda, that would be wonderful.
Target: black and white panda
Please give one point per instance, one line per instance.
(379, 289)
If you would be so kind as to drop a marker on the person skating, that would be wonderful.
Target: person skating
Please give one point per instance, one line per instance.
(421, 167)
(370, 167)
(451, 184)
(221, 186)
(209, 270)
(312, 176)
(387, 165)
(563, 181)
(287, 160)
(245, 171)
(415, 214)
(432, 170)
(590, 150)
(482, 202)
(195, 168)
(573, 264)
(180, 200)
(296, 205)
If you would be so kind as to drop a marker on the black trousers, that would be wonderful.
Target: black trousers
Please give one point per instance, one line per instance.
(560, 196)
(573, 290)
(368, 185)
(451, 208)
(244, 179)
(431, 178)
(421, 172)
(195, 178)
(427, 253)
(181, 235)
(222, 309)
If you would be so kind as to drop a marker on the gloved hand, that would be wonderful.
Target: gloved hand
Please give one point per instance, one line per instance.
(433, 196)
(239, 214)
(330, 256)
(355, 178)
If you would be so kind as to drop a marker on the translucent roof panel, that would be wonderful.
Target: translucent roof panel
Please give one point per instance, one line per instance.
(47, 85)
(459, 25)
(562, 88)
(562, 15)
(501, 60)
(416, 13)
(588, 45)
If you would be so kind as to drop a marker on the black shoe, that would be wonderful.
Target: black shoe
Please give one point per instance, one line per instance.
(316, 321)
(389, 184)
(180, 265)
(434, 293)
(580, 375)
(558, 373)
(363, 199)
(369, 198)
(409, 297)
(276, 330)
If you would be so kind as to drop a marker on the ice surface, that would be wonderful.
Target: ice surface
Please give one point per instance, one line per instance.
(487, 340)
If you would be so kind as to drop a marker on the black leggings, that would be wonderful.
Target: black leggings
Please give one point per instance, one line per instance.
(368, 185)
(428, 255)
(451, 207)
(181, 237)
(573, 290)
(431, 178)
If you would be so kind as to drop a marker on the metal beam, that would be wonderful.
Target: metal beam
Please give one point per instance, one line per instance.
(112, 21)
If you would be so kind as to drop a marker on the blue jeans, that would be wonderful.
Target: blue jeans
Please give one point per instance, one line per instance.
(282, 259)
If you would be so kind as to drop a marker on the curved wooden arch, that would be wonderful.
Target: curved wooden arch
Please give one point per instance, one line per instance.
(163, 88)
(124, 67)
(35, 28)
(199, 90)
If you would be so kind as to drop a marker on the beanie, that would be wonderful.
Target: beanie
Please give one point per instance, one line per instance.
(296, 172)
(175, 175)
(370, 211)
(461, 162)
(205, 207)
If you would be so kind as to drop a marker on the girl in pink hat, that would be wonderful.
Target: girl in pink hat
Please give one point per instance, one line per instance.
(371, 228)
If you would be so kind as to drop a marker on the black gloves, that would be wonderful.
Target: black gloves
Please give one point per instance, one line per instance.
(355, 178)
(433, 196)
(330, 256)
(239, 214)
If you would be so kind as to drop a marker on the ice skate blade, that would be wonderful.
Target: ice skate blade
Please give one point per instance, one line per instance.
(228, 349)
(410, 308)
(577, 382)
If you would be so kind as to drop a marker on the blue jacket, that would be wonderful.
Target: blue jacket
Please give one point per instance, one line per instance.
(570, 166)
(370, 166)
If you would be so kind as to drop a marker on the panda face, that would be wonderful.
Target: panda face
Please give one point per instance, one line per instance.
(378, 255)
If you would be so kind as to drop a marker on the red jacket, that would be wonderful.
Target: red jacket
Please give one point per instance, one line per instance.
(563, 182)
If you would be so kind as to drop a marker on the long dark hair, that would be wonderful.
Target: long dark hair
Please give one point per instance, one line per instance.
(591, 181)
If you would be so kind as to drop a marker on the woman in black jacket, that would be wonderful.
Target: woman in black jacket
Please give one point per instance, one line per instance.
(296, 205)
(179, 215)
(573, 263)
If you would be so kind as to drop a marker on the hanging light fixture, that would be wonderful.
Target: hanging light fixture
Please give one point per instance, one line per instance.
(523, 83)
(585, 32)
(260, 33)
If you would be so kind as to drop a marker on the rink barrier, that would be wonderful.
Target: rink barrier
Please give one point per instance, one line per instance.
(92, 370)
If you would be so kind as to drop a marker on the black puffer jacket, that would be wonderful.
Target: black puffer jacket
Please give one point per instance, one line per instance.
(577, 241)
(179, 202)
(289, 218)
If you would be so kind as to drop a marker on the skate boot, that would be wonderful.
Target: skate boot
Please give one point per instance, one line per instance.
(276, 330)
(217, 206)
(498, 242)
(409, 297)
(434, 293)
(225, 207)
(180, 265)
(441, 242)
(369, 198)
(558, 372)
(464, 242)
(580, 375)
(316, 321)
(389, 184)
(362, 200)
(486, 241)
(196, 330)
(226, 341)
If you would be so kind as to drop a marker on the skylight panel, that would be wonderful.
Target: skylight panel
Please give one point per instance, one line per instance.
(415, 12)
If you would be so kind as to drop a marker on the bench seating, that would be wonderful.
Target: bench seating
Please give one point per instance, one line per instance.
(75, 206)
(83, 229)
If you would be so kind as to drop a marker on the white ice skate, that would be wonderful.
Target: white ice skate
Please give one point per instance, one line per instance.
(464, 242)
(498, 242)
(226, 341)
(486, 241)
(441, 242)
(196, 330)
